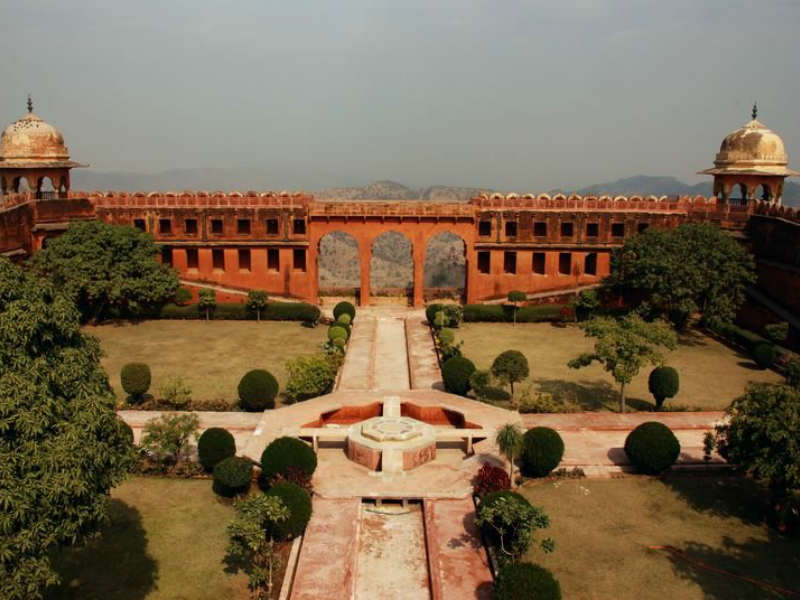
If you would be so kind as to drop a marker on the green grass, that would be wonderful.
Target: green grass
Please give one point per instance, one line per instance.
(211, 356)
(711, 374)
(166, 540)
(603, 530)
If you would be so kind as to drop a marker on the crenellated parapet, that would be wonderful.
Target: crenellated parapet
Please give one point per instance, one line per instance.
(198, 199)
(576, 202)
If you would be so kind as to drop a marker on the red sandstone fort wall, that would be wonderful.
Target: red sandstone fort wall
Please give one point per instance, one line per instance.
(270, 241)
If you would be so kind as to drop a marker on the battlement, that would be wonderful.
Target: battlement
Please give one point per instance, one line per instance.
(197, 199)
(399, 209)
(574, 202)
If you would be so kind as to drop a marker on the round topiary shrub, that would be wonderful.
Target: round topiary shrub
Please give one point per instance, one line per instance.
(344, 319)
(344, 307)
(525, 580)
(431, 310)
(456, 372)
(765, 354)
(447, 336)
(286, 452)
(542, 450)
(215, 445)
(135, 379)
(232, 476)
(257, 390)
(298, 501)
(337, 331)
(652, 447)
(663, 383)
(511, 366)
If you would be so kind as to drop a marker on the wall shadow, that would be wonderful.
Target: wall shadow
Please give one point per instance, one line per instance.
(115, 566)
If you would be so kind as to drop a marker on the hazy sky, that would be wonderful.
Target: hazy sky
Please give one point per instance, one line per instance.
(514, 95)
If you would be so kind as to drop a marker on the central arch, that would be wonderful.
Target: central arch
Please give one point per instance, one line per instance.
(338, 266)
(392, 266)
(445, 268)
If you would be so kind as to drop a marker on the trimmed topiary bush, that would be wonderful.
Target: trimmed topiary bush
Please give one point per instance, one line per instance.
(764, 354)
(284, 453)
(525, 580)
(663, 383)
(344, 318)
(431, 310)
(456, 372)
(298, 501)
(542, 450)
(454, 314)
(447, 336)
(232, 476)
(337, 331)
(652, 447)
(183, 296)
(257, 390)
(135, 379)
(215, 445)
(344, 307)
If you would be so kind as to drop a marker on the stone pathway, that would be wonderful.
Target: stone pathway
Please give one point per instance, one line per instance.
(459, 566)
(326, 567)
(376, 356)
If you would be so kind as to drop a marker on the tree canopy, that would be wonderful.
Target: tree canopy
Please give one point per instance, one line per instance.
(107, 270)
(675, 273)
(624, 345)
(62, 448)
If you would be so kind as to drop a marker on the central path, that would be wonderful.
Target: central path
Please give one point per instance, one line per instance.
(376, 356)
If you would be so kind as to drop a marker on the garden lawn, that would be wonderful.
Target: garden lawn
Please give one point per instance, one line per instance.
(711, 374)
(166, 540)
(211, 356)
(603, 529)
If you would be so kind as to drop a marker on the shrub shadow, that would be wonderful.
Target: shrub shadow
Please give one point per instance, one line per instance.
(730, 571)
(589, 395)
(115, 566)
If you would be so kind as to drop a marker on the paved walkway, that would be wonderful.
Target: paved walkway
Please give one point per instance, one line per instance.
(326, 567)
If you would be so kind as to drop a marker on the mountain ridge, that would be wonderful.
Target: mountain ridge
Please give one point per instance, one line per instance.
(382, 190)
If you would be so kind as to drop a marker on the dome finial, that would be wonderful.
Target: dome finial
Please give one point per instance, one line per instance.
(755, 111)
(30, 104)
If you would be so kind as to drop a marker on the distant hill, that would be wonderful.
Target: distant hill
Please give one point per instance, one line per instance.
(319, 183)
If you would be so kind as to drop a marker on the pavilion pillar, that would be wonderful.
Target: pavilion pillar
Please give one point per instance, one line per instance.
(365, 258)
(418, 253)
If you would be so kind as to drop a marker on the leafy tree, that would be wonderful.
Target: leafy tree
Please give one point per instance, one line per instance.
(310, 376)
(62, 448)
(206, 301)
(257, 301)
(761, 435)
(510, 366)
(167, 437)
(515, 298)
(107, 270)
(511, 521)
(587, 304)
(675, 273)
(624, 345)
(251, 546)
(509, 442)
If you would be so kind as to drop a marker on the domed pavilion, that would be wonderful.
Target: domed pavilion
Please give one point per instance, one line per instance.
(33, 152)
(751, 162)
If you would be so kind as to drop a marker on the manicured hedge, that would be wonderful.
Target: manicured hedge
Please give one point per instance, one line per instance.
(431, 310)
(542, 450)
(298, 501)
(286, 452)
(257, 390)
(525, 580)
(504, 313)
(456, 372)
(135, 379)
(344, 307)
(215, 445)
(232, 476)
(273, 311)
(652, 447)
(765, 354)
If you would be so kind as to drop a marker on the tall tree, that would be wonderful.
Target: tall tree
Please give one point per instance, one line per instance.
(676, 273)
(107, 270)
(624, 345)
(257, 301)
(62, 448)
(509, 441)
